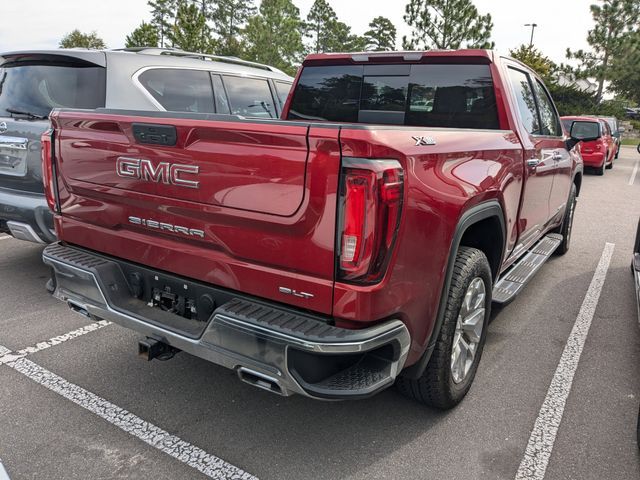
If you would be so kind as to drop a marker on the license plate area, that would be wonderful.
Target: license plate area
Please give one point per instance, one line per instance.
(13, 156)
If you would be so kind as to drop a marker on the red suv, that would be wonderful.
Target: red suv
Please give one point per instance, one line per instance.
(597, 154)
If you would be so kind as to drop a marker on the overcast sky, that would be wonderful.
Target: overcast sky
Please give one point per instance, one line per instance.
(29, 24)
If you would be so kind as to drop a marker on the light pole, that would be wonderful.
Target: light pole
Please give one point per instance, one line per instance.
(533, 28)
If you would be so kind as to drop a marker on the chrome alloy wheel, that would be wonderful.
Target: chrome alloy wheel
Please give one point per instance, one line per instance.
(468, 330)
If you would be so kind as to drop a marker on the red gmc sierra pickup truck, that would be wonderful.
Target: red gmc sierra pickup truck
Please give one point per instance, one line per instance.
(355, 243)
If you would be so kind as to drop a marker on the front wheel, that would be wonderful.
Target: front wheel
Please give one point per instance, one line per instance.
(567, 222)
(639, 148)
(454, 362)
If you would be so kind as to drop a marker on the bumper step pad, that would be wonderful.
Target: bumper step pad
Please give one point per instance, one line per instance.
(513, 280)
(269, 345)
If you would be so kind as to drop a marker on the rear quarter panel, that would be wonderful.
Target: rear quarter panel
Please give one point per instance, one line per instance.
(465, 168)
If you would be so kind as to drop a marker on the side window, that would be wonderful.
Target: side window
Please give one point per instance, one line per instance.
(250, 97)
(220, 96)
(550, 121)
(179, 90)
(526, 101)
(283, 89)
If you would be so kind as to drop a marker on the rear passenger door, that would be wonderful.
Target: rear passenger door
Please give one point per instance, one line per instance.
(539, 161)
(553, 146)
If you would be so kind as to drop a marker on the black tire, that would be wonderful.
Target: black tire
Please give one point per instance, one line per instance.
(600, 170)
(567, 222)
(639, 148)
(436, 387)
(617, 152)
(610, 165)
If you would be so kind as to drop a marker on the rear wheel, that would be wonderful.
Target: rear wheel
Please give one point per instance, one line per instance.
(600, 170)
(454, 362)
(567, 222)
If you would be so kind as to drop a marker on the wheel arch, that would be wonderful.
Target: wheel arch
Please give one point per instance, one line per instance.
(577, 181)
(473, 222)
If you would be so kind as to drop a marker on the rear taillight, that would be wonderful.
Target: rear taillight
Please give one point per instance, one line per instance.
(48, 170)
(371, 197)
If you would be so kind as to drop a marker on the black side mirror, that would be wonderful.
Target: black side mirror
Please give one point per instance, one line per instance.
(582, 131)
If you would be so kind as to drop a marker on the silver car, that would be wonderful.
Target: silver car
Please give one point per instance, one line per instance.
(32, 83)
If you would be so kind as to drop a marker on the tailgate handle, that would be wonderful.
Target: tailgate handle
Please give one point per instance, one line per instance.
(153, 134)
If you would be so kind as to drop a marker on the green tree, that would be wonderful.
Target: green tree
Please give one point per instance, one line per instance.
(381, 35)
(146, 35)
(534, 59)
(162, 14)
(228, 18)
(274, 35)
(320, 21)
(190, 31)
(625, 71)
(614, 20)
(570, 100)
(446, 24)
(328, 34)
(77, 39)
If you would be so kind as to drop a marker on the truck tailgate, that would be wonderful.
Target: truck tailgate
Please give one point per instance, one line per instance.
(248, 205)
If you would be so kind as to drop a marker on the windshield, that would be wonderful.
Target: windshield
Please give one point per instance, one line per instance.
(36, 89)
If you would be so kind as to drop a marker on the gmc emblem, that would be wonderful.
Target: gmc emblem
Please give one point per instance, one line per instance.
(163, 172)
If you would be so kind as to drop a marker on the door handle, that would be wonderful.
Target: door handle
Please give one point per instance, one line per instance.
(533, 162)
(557, 156)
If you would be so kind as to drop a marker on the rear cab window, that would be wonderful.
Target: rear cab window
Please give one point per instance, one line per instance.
(431, 95)
(37, 86)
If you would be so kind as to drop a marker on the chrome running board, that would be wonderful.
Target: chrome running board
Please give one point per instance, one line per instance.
(518, 275)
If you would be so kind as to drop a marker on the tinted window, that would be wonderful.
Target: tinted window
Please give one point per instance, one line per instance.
(384, 93)
(567, 124)
(222, 104)
(39, 88)
(459, 96)
(180, 90)
(583, 129)
(328, 93)
(613, 124)
(605, 128)
(456, 96)
(550, 122)
(283, 89)
(526, 102)
(250, 97)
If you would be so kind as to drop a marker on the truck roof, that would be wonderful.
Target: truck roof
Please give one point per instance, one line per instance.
(396, 56)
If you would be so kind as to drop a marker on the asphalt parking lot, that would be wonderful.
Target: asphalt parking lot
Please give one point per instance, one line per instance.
(77, 403)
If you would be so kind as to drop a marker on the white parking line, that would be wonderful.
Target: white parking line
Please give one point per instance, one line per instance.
(634, 173)
(9, 356)
(3, 473)
(195, 457)
(538, 452)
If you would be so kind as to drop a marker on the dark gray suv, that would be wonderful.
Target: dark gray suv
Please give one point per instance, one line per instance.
(34, 82)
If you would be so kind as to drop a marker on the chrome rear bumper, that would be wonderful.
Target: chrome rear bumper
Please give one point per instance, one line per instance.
(269, 346)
